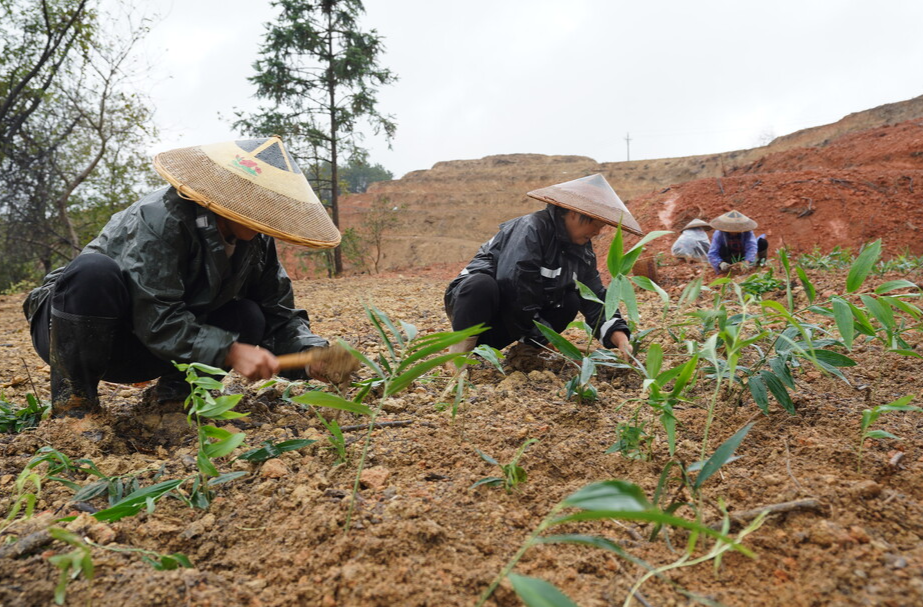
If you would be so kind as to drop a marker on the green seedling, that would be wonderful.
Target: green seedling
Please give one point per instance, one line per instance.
(757, 284)
(492, 355)
(16, 419)
(407, 357)
(213, 442)
(633, 442)
(58, 465)
(72, 564)
(271, 449)
(79, 561)
(870, 416)
(115, 487)
(606, 500)
(513, 474)
(335, 438)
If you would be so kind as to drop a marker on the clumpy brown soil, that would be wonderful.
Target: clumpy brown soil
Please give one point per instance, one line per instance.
(422, 536)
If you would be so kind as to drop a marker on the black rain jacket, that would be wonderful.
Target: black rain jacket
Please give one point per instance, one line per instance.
(177, 271)
(536, 264)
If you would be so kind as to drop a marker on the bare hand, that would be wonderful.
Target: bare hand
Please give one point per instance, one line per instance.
(620, 339)
(252, 362)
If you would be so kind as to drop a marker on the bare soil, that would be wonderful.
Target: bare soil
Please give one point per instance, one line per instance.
(422, 536)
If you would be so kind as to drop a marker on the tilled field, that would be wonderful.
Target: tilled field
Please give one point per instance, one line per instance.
(422, 536)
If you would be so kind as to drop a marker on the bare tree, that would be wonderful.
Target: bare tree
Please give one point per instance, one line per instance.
(73, 144)
(381, 218)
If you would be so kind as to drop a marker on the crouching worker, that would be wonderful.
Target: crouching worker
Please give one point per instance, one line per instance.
(693, 243)
(527, 271)
(188, 273)
(734, 242)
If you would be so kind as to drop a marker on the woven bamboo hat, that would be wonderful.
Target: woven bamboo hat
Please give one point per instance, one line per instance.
(733, 221)
(697, 223)
(254, 182)
(592, 196)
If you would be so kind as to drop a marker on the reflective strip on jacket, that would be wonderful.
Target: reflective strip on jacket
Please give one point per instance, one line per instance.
(177, 270)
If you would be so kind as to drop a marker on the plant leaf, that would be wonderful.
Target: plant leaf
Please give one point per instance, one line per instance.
(843, 316)
(560, 342)
(404, 380)
(880, 310)
(834, 359)
(317, 398)
(627, 293)
(587, 293)
(616, 253)
(892, 285)
(758, 391)
(778, 390)
(862, 266)
(808, 286)
(135, 501)
(879, 434)
(649, 285)
(225, 446)
(721, 455)
(535, 592)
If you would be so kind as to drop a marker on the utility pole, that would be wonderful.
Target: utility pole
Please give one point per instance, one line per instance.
(627, 147)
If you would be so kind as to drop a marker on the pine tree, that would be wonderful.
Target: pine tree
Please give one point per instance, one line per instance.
(321, 74)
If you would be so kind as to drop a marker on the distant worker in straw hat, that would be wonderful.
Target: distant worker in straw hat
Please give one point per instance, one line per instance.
(693, 243)
(527, 272)
(188, 273)
(734, 242)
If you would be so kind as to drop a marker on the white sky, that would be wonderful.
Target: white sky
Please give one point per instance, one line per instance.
(484, 77)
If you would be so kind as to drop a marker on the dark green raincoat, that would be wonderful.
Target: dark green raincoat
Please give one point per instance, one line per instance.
(177, 271)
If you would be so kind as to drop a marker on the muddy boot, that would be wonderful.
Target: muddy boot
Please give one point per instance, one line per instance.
(527, 357)
(170, 389)
(164, 405)
(466, 345)
(79, 352)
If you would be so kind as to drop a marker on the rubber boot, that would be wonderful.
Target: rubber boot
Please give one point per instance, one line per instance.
(172, 388)
(79, 352)
(466, 345)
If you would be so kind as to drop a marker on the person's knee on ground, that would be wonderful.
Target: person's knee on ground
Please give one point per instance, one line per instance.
(476, 302)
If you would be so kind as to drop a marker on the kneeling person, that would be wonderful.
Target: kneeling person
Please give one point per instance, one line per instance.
(528, 271)
(188, 273)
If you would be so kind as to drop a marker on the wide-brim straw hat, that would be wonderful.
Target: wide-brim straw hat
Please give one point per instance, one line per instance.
(697, 223)
(254, 182)
(591, 196)
(733, 221)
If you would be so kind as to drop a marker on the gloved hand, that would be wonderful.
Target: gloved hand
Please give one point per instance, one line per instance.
(724, 266)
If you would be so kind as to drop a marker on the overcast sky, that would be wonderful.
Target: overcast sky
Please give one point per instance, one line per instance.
(566, 77)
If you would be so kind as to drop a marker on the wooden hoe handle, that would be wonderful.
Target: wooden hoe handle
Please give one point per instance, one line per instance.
(298, 360)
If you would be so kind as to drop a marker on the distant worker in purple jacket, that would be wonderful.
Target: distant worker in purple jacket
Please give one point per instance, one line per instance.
(735, 242)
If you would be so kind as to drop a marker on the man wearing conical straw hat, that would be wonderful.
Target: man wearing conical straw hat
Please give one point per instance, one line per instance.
(188, 273)
(693, 243)
(734, 242)
(528, 271)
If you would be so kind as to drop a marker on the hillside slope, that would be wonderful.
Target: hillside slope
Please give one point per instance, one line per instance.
(450, 209)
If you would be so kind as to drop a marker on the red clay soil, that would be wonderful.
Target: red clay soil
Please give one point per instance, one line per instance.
(856, 189)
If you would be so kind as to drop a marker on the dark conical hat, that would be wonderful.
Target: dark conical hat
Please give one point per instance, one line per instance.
(254, 182)
(697, 223)
(733, 221)
(591, 196)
